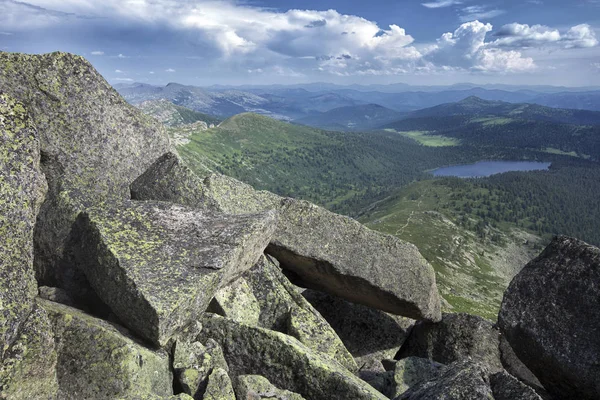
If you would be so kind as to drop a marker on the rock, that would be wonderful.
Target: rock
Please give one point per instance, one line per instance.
(507, 387)
(256, 387)
(550, 317)
(22, 190)
(462, 380)
(375, 375)
(157, 265)
(194, 362)
(327, 251)
(370, 335)
(93, 147)
(29, 367)
(56, 295)
(264, 297)
(411, 371)
(219, 386)
(284, 361)
(338, 255)
(99, 360)
(456, 337)
(515, 367)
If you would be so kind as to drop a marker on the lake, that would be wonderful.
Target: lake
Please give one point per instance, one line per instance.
(482, 169)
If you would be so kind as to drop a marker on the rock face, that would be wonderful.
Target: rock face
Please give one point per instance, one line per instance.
(93, 146)
(264, 297)
(550, 317)
(157, 265)
(284, 361)
(96, 360)
(370, 335)
(29, 367)
(327, 251)
(515, 367)
(462, 380)
(456, 337)
(507, 387)
(193, 363)
(219, 386)
(411, 371)
(22, 190)
(256, 387)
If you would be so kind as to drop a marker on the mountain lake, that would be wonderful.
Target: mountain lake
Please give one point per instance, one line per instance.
(482, 169)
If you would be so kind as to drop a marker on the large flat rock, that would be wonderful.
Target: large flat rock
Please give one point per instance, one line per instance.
(157, 265)
(99, 360)
(284, 361)
(22, 190)
(93, 146)
(329, 252)
(550, 317)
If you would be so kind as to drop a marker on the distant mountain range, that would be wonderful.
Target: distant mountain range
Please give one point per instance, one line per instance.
(352, 118)
(310, 101)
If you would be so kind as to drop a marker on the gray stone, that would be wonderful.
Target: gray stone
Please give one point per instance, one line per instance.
(327, 251)
(219, 386)
(22, 190)
(99, 360)
(29, 368)
(550, 317)
(56, 295)
(157, 265)
(284, 361)
(507, 387)
(515, 367)
(93, 146)
(264, 297)
(256, 387)
(456, 337)
(370, 335)
(412, 371)
(462, 380)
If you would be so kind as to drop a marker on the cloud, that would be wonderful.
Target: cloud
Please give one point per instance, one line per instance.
(151, 72)
(524, 36)
(466, 48)
(118, 71)
(6, 34)
(170, 70)
(441, 3)
(124, 79)
(97, 53)
(474, 13)
(122, 56)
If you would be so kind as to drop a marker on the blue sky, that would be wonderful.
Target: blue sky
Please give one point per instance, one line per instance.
(206, 42)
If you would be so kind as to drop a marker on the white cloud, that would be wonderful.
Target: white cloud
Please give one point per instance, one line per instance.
(596, 65)
(6, 34)
(97, 53)
(522, 36)
(124, 79)
(466, 48)
(169, 70)
(118, 71)
(122, 56)
(441, 3)
(474, 13)
(151, 72)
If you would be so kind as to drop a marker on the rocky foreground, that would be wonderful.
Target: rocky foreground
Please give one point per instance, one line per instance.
(125, 276)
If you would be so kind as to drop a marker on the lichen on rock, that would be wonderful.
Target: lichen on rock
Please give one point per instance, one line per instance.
(256, 387)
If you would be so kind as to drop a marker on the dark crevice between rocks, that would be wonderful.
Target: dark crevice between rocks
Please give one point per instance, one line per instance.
(177, 388)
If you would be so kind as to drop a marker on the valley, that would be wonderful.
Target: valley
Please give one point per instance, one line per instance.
(476, 233)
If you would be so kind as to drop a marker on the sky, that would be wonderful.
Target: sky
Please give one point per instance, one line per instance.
(420, 42)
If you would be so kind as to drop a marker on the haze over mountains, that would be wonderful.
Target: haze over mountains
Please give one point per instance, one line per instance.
(310, 101)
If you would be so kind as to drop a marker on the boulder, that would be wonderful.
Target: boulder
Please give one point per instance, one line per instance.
(284, 361)
(29, 367)
(370, 335)
(22, 190)
(56, 295)
(157, 265)
(193, 363)
(412, 371)
(456, 337)
(256, 387)
(264, 297)
(99, 360)
(338, 255)
(462, 380)
(507, 387)
(327, 251)
(515, 367)
(93, 146)
(550, 317)
(219, 386)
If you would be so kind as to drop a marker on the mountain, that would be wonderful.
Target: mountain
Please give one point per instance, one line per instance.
(580, 100)
(353, 118)
(172, 115)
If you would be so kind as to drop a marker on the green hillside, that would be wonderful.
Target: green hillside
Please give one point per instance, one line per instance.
(352, 118)
(173, 115)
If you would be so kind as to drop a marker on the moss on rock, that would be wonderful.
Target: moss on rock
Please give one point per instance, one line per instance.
(256, 387)
(284, 361)
(219, 386)
(193, 363)
(99, 360)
